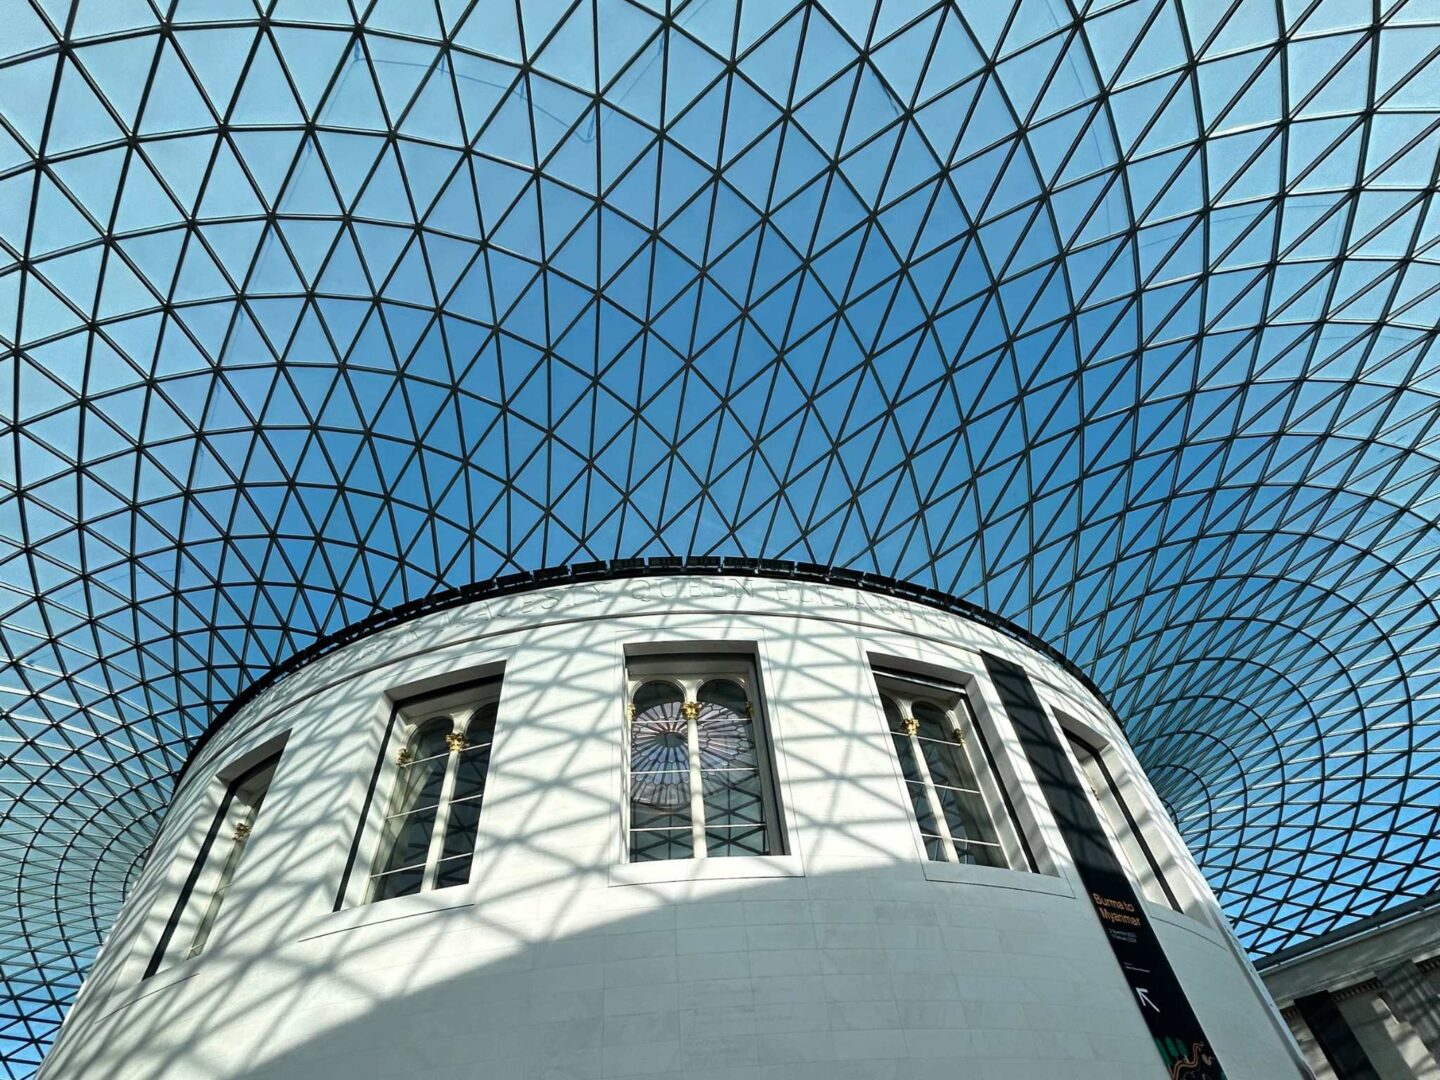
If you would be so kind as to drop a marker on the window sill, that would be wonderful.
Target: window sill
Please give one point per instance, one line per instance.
(397, 907)
(1162, 913)
(996, 877)
(720, 869)
(177, 973)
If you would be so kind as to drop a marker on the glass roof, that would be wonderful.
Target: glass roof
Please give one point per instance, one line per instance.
(1118, 319)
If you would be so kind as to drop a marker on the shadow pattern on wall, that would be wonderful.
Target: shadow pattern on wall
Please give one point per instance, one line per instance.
(544, 967)
(1119, 323)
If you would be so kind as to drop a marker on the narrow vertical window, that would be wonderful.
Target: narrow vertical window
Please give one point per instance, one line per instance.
(428, 835)
(1130, 847)
(190, 925)
(700, 782)
(934, 738)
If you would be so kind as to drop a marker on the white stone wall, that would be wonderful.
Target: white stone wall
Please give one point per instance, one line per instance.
(849, 957)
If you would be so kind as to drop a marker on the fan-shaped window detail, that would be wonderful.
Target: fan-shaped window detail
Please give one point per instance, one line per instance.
(730, 771)
(699, 778)
(932, 729)
(430, 828)
(660, 819)
(651, 694)
(724, 693)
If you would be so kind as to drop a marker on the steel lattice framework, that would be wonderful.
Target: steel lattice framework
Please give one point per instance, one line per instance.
(1118, 319)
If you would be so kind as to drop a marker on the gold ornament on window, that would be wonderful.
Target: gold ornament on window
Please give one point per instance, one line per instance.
(910, 725)
(242, 830)
(455, 741)
(690, 710)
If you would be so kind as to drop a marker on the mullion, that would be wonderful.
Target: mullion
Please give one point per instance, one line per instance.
(937, 807)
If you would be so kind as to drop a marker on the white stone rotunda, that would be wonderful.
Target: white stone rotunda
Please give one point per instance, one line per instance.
(703, 826)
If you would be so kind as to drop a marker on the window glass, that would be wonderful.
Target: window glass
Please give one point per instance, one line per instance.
(916, 788)
(660, 820)
(928, 728)
(431, 826)
(650, 694)
(699, 778)
(189, 928)
(1134, 854)
(729, 772)
(462, 825)
(410, 825)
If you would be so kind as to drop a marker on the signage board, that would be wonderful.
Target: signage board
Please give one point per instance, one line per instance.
(1181, 1042)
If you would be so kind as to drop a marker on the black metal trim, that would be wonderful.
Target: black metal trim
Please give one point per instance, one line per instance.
(620, 569)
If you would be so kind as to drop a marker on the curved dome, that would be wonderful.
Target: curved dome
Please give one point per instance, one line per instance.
(1118, 320)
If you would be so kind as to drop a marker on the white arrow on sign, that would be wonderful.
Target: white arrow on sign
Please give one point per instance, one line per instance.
(1144, 996)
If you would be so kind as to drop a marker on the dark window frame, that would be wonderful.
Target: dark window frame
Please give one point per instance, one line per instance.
(957, 688)
(1097, 754)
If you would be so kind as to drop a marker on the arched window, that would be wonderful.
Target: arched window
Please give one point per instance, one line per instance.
(432, 822)
(729, 768)
(699, 775)
(915, 786)
(660, 818)
(462, 823)
(1124, 835)
(941, 779)
(198, 908)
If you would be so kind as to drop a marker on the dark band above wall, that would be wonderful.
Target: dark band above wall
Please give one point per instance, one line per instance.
(1182, 1043)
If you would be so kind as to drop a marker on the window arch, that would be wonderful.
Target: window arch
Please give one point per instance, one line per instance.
(656, 692)
(941, 779)
(431, 825)
(726, 694)
(197, 909)
(660, 774)
(699, 777)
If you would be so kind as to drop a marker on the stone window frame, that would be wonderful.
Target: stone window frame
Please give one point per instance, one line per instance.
(952, 699)
(459, 707)
(688, 671)
(234, 798)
